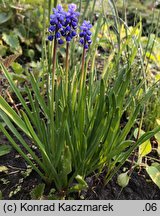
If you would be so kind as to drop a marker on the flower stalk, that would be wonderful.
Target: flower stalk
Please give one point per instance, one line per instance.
(82, 68)
(52, 94)
(67, 65)
(54, 58)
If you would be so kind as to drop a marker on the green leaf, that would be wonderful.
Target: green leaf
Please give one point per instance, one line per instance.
(142, 139)
(4, 17)
(20, 31)
(37, 192)
(157, 136)
(80, 186)
(12, 40)
(3, 50)
(116, 152)
(157, 165)
(18, 69)
(145, 148)
(123, 179)
(19, 150)
(39, 97)
(136, 131)
(154, 172)
(5, 149)
(33, 133)
(39, 144)
(66, 166)
(13, 115)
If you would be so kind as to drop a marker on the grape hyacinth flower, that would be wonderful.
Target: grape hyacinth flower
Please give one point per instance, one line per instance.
(85, 40)
(69, 31)
(56, 24)
(71, 22)
(85, 34)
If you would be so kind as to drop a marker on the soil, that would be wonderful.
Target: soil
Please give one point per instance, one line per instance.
(140, 187)
(19, 180)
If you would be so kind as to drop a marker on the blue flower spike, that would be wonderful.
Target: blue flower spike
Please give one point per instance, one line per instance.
(63, 24)
(56, 24)
(71, 23)
(85, 34)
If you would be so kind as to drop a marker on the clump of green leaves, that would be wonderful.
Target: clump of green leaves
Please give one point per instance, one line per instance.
(78, 129)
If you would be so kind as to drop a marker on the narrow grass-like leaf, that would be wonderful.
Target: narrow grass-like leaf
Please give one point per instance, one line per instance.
(13, 115)
(21, 152)
(19, 137)
(5, 149)
(39, 97)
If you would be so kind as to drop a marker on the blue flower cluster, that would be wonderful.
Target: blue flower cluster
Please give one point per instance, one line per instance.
(71, 23)
(56, 22)
(63, 23)
(85, 34)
